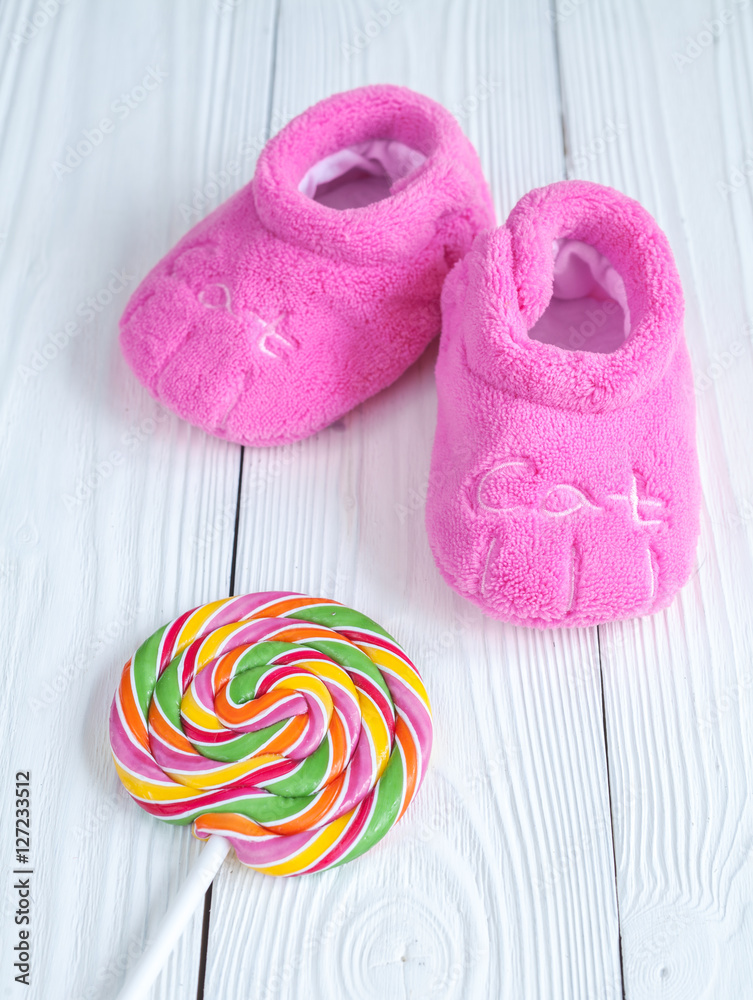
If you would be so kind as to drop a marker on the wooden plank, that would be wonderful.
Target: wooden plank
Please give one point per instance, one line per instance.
(678, 685)
(499, 881)
(108, 501)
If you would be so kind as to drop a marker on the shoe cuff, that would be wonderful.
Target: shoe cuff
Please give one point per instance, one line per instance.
(502, 287)
(449, 180)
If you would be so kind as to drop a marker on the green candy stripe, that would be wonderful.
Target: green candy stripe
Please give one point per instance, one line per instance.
(389, 795)
(338, 616)
(145, 669)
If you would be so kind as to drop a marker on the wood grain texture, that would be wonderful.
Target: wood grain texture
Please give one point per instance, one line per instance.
(585, 830)
(105, 497)
(509, 845)
(678, 685)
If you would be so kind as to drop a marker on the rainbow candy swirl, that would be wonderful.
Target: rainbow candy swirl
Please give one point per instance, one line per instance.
(293, 726)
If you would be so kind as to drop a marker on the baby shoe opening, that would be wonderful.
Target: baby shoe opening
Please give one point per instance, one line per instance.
(588, 310)
(361, 174)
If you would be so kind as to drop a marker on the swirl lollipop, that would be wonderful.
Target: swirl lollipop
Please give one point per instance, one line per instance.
(293, 729)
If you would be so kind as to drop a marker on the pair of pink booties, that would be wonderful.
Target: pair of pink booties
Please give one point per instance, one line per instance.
(564, 487)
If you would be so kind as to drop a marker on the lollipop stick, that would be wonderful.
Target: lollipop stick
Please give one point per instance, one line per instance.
(179, 913)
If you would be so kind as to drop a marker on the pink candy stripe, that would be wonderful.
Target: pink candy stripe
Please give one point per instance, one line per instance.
(352, 833)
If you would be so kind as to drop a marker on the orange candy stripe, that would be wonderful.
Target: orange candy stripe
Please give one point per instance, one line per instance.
(404, 736)
(225, 664)
(339, 747)
(162, 728)
(287, 737)
(281, 608)
(131, 710)
(233, 822)
(306, 632)
(316, 812)
(238, 715)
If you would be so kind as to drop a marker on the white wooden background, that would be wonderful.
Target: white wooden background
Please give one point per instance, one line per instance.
(586, 828)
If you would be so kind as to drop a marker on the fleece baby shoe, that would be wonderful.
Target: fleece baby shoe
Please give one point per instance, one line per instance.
(318, 283)
(564, 487)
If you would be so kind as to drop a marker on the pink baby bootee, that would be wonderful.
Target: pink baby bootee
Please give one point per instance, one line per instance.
(564, 486)
(318, 283)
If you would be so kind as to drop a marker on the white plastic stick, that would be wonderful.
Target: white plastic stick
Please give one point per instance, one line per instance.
(179, 913)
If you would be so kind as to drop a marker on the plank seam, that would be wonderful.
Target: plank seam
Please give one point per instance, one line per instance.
(236, 528)
(565, 152)
(611, 812)
(553, 17)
